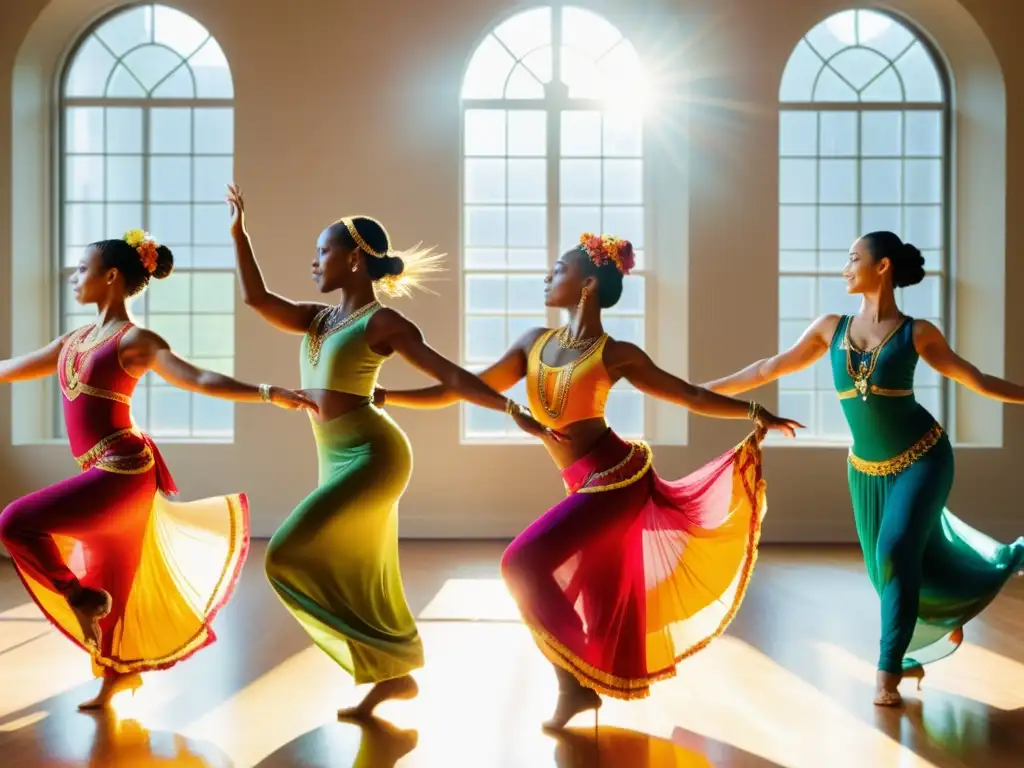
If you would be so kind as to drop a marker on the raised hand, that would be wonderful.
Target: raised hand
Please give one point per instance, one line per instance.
(237, 206)
(292, 400)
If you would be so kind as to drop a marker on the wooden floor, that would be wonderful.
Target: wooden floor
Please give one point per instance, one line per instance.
(789, 685)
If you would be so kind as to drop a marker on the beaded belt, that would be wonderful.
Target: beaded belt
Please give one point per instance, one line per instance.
(901, 461)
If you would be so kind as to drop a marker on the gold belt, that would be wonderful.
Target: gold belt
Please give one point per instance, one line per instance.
(102, 457)
(901, 461)
(874, 390)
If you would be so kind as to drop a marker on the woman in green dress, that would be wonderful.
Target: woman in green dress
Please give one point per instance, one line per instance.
(334, 561)
(932, 572)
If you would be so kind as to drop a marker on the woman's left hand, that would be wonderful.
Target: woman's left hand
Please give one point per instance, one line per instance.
(766, 420)
(525, 421)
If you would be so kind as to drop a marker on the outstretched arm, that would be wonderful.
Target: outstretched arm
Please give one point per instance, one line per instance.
(628, 361)
(499, 377)
(931, 345)
(148, 351)
(34, 365)
(288, 315)
(808, 349)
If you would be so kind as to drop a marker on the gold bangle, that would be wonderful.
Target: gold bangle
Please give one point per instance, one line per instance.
(265, 393)
(753, 410)
(512, 408)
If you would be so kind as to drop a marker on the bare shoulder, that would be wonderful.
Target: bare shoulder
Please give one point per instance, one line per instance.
(527, 339)
(926, 332)
(138, 338)
(388, 318)
(617, 353)
(826, 325)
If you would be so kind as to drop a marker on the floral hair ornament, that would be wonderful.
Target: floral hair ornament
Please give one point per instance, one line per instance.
(604, 249)
(145, 245)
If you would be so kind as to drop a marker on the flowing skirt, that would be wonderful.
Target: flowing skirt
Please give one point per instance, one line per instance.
(932, 571)
(630, 574)
(169, 567)
(334, 561)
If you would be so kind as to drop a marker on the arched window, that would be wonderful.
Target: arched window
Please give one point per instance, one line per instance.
(863, 145)
(147, 140)
(552, 148)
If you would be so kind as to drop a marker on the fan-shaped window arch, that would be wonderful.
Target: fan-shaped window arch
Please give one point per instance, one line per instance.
(863, 144)
(147, 140)
(553, 146)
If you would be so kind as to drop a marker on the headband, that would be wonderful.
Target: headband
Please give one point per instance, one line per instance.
(350, 225)
(145, 246)
(604, 249)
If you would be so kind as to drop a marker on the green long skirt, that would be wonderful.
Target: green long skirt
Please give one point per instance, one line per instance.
(932, 571)
(334, 561)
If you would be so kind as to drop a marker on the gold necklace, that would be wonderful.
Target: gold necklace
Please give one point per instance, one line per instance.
(862, 376)
(565, 340)
(326, 324)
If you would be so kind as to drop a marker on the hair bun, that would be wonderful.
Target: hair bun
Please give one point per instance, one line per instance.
(908, 269)
(164, 262)
(395, 265)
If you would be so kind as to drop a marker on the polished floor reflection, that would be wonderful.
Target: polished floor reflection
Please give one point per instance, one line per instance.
(788, 687)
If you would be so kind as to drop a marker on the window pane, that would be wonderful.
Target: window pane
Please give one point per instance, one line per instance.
(485, 226)
(881, 133)
(625, 412)
(170, 413)
(485, 338)
(881, 181)
(83, 129)
(838, 181)
(798, 134)
(124, 178)
(923, 181)
(796, 297)
(170, 131)
(623, 182)
(527, 133)
(170, 179)
(486, 293)
(839, 134)
(527, 226)
(527, 181)
(580, 181)
(171, 295)
(84, 177)
(210, 175)
(581, 134)
(923, 133)
(798, 182)
(213, 292)
(525, 293)
(485, 181)
(213, 336)
(485, 132)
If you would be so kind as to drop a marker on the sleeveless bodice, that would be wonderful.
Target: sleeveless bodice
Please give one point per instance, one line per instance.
(562, 395)
(876, 389)
(97, 394)
(97, 389)
(340, 360)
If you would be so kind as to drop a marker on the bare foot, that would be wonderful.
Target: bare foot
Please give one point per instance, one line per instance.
(570, 704)
(111, 686)
(89, 606)
(396, 688)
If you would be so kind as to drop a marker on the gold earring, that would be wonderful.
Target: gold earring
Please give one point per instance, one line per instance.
(583, 300)
(354, 267)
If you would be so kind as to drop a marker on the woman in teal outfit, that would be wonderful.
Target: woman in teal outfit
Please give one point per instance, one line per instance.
(334, 561)
(932, 572)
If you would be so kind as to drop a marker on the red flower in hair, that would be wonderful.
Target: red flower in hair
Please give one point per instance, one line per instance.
(607, 248)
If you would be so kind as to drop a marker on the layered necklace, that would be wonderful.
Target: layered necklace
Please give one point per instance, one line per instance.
(329, 321)
(861, 375)
(566, 341)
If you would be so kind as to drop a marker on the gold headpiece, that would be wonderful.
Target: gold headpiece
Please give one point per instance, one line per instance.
(419, 263)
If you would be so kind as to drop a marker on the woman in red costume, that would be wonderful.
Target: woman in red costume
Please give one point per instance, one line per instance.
(630, 573)
(127, 575)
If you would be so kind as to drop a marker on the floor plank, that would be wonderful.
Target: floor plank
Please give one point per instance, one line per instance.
(788, 686)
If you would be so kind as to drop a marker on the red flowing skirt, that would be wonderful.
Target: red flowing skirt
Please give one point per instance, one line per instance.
(168, 566)
(630, 573)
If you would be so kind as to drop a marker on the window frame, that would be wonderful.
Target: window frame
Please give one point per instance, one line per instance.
(139, 307)
(555, 102)
(945, 272)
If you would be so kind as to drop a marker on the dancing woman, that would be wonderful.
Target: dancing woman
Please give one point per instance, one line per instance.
(630, 573)
(932, 572)
(334, 561)
(124, 573)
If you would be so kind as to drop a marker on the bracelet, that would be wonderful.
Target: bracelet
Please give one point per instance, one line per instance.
(753, 410)
(512, 408)
(265, 393)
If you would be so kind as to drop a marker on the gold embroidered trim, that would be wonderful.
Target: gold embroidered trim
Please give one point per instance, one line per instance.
(74, 356)
(94, 454)
(902, 461)
(745, 470)
(874, 390)
(862, 376)
(634, 446)
(324, 325)
(134, 464)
